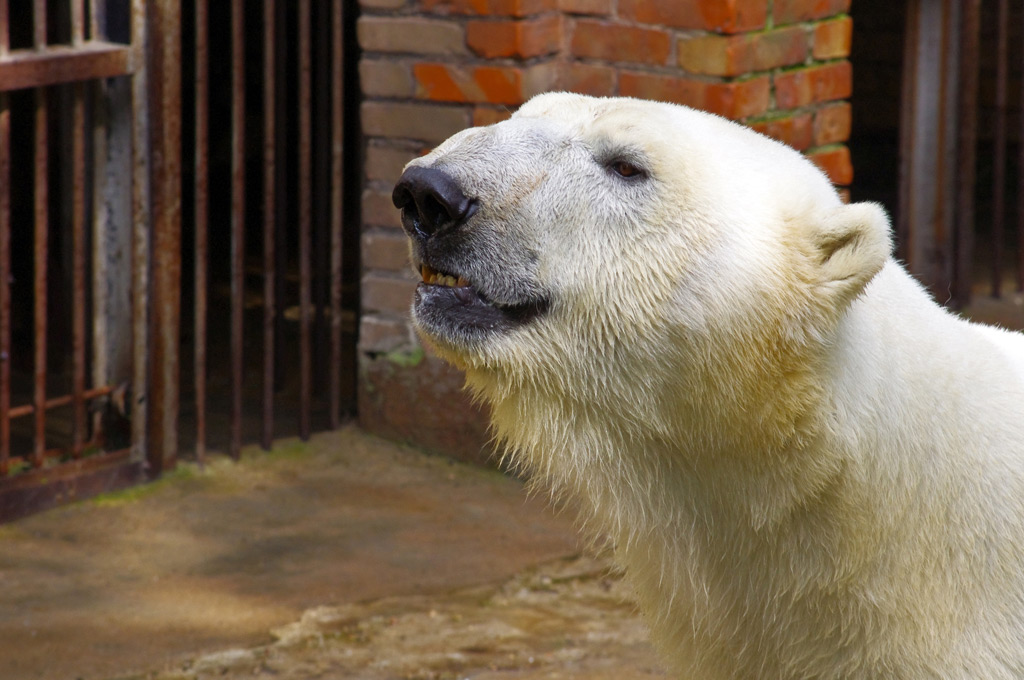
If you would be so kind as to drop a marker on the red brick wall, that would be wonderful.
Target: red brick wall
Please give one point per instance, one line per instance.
(432, 67)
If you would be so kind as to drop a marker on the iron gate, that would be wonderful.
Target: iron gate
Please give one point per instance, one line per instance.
(108, 230)
(73, 187)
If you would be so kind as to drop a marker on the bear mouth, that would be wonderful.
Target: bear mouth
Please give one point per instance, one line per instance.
(447, 305)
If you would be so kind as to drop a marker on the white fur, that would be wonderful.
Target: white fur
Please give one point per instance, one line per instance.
(807, 468)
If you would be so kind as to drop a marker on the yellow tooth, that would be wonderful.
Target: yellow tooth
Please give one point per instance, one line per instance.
(462, 282)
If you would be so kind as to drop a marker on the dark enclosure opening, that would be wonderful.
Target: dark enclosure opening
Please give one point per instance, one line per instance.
(290, 154)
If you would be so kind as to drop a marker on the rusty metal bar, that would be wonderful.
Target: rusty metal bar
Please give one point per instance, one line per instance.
(5, 35)
(77, 22)
(165, 300)
(201, 222)
(62, 64)
(305, 221)
(970, 41)
(999, 147)
(269, 214)
(337, 203)
(39, 24)
(79, 246)
(237, 219)
(40, 250)
(5, 281)
(141, 221)
(283, 219)
(321, 112)
(63, 400)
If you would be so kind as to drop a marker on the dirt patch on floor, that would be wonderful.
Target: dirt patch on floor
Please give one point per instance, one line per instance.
(215, 559)
(570, 618)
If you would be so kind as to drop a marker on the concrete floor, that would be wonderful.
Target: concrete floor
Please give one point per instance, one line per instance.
(152, 579)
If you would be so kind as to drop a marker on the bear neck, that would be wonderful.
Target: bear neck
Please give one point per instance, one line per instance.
(748, 450)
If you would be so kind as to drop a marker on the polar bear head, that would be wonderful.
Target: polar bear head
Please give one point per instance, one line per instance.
(608, 252)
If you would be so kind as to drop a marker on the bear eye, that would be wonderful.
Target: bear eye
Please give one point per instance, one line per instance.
(626, 169)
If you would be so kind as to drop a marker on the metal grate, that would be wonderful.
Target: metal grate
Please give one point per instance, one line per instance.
(277, 298)
(140, 141)
(63, 162)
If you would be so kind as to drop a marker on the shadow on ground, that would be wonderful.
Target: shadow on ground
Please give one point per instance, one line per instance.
(334, 545)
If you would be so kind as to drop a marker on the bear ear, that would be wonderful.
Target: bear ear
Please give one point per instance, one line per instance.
(850, 246)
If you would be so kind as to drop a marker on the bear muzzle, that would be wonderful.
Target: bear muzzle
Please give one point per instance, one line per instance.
(431, 202)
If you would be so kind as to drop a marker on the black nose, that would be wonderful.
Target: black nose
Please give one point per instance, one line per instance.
(431, 201)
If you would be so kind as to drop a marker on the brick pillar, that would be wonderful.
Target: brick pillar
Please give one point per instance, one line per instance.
(433, 67)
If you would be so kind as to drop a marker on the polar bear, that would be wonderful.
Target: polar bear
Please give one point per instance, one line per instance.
(806, 467)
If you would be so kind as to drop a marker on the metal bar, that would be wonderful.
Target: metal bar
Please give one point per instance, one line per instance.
(999, 148)
(305, 218)
(908, 126)
(67, 470)
(321, 111)
(98, 20)
(79, 246)
(63, 400)
(40, 250)
(41, 489)
(77, 22)
(337, 203)
(141, 222)
(62, 64)
(283, 218)
(5, 282)
(967, 148)
(237, 219)
(269, 214)
(1020, 179)
(201, 222)
(165, 302)
(5, 36)
(39, 24)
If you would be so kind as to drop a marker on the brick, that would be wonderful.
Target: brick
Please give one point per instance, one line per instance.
(387, 293)
(505, 8)
(516, 38)
(720, 55)
(385, 250)
(431, 123)
(722, 16)
(735, 99)
(595, 39)
(489, 115)
(803, 86)
(832, 124)
(592, 79)
(832, 38)
(411, 35)
(378, 210)
(794, 130)
(835, 162)
(593, 7)
(793, 11)
(510, 85)
(423, 402)
(386, 163)
(380, 334)
(385, 78)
